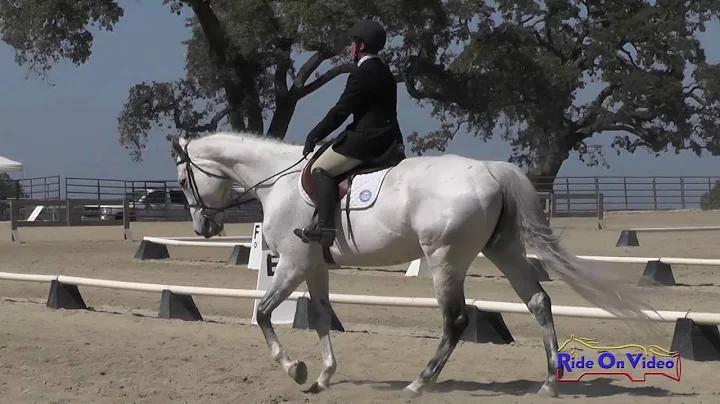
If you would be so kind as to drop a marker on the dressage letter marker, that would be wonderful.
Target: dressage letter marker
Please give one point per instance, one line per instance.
(258, 247)
(270, 265)
(285, 312)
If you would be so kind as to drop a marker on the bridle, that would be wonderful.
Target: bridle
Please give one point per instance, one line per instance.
(208, 212)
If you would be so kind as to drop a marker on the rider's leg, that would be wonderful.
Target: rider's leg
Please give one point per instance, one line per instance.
(325, 188)
(335, 163)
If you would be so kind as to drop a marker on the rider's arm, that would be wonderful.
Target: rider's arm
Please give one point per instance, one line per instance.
(354, 94)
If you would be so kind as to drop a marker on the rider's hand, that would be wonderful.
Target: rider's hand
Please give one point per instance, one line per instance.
(309, 147)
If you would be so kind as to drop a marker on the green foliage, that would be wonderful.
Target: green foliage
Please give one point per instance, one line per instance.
(658, 90)
(711, 199)
(239, 69)
(8, 187)
(43, 32)
(8, 190)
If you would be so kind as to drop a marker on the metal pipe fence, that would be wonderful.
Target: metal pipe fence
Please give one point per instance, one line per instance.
(156, 200)
(162, 200)
(632, 193)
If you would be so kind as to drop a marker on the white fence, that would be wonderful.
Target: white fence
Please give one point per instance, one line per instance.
(198, 243)
(367, 300)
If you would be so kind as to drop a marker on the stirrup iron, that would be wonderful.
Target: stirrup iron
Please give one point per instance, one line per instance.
(323, 236)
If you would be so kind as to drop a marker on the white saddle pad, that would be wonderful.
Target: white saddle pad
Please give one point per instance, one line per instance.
(363, 191)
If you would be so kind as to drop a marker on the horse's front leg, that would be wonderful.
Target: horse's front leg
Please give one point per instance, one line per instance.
(286, 279)
(318, 282)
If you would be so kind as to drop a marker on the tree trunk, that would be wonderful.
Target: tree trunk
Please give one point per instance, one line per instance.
(543, 174)
(235, 100)
(284, 110)
(255, 116)
(550, 157)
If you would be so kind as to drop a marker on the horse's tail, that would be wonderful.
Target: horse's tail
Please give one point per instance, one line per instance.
(523, 212)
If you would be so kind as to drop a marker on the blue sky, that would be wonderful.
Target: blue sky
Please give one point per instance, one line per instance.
(69, 129)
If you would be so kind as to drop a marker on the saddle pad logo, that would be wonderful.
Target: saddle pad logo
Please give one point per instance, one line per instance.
(365, 195)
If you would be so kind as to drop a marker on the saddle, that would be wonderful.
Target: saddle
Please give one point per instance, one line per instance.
(392, 157)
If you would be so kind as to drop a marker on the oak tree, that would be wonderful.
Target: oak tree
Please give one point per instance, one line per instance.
(239, 65)
(527, 67)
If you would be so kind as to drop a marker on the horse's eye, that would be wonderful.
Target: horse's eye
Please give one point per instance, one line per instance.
(183, 182)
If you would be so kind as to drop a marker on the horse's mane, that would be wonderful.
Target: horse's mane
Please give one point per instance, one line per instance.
(253, 139)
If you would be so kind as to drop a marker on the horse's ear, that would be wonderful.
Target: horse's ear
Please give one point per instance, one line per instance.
(178, 146)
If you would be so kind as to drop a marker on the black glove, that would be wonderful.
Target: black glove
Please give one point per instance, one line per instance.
(309, 146)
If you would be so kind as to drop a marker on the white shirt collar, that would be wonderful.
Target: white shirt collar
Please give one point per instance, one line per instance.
(366, 57)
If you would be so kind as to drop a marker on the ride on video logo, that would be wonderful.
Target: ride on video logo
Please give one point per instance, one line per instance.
(580, 357)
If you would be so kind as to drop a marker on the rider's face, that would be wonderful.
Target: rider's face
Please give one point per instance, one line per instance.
(355, 50)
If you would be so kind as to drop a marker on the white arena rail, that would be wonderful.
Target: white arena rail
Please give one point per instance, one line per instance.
(200, 238)
(153, 248)
(628, 237)
(156, 248)
(366, 300)
(645, 260)
(658, 270)
(696, 335)
(672, 229)
(195, 243)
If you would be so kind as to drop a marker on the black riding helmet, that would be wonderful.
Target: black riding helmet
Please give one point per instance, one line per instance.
(371, 33)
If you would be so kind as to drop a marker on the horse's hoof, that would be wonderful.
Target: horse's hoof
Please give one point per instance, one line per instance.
(316, 388)
(298, 372)
(547, 391)
(412, 393)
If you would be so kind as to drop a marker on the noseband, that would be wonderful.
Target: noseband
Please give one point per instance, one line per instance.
(208, 212)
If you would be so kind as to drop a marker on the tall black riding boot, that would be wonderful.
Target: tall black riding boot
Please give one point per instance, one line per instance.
(326, 199)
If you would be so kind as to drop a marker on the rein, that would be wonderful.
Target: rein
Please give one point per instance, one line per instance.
(196, 193)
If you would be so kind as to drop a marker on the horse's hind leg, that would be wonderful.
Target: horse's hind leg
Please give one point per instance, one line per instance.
(448, 272)
(318, 285)
(519, 272)
(286, 279)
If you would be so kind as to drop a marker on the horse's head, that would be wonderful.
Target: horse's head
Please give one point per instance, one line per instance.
(207, 189)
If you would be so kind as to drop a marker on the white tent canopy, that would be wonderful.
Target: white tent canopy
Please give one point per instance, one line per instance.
(7, 165)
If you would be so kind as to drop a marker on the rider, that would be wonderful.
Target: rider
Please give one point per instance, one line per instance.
(370, 95)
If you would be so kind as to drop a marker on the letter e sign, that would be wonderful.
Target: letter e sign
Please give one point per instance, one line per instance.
(272, 263)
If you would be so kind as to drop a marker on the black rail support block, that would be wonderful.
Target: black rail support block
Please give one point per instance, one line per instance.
(486, 327)
(63, 296)
(180, 307)
(306, 316)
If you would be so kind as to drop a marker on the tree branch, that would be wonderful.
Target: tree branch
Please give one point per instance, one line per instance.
(585, 125)
(630, 59)
(410, 87)
(237, 73)
(322, 80)
(208, 127)
(308, 68)
(213, 29)
(639, 132)
(281, 70)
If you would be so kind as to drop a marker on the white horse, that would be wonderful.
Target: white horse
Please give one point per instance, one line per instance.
(446, 209)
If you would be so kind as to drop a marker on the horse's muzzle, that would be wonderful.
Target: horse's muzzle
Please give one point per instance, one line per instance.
(210, 229)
